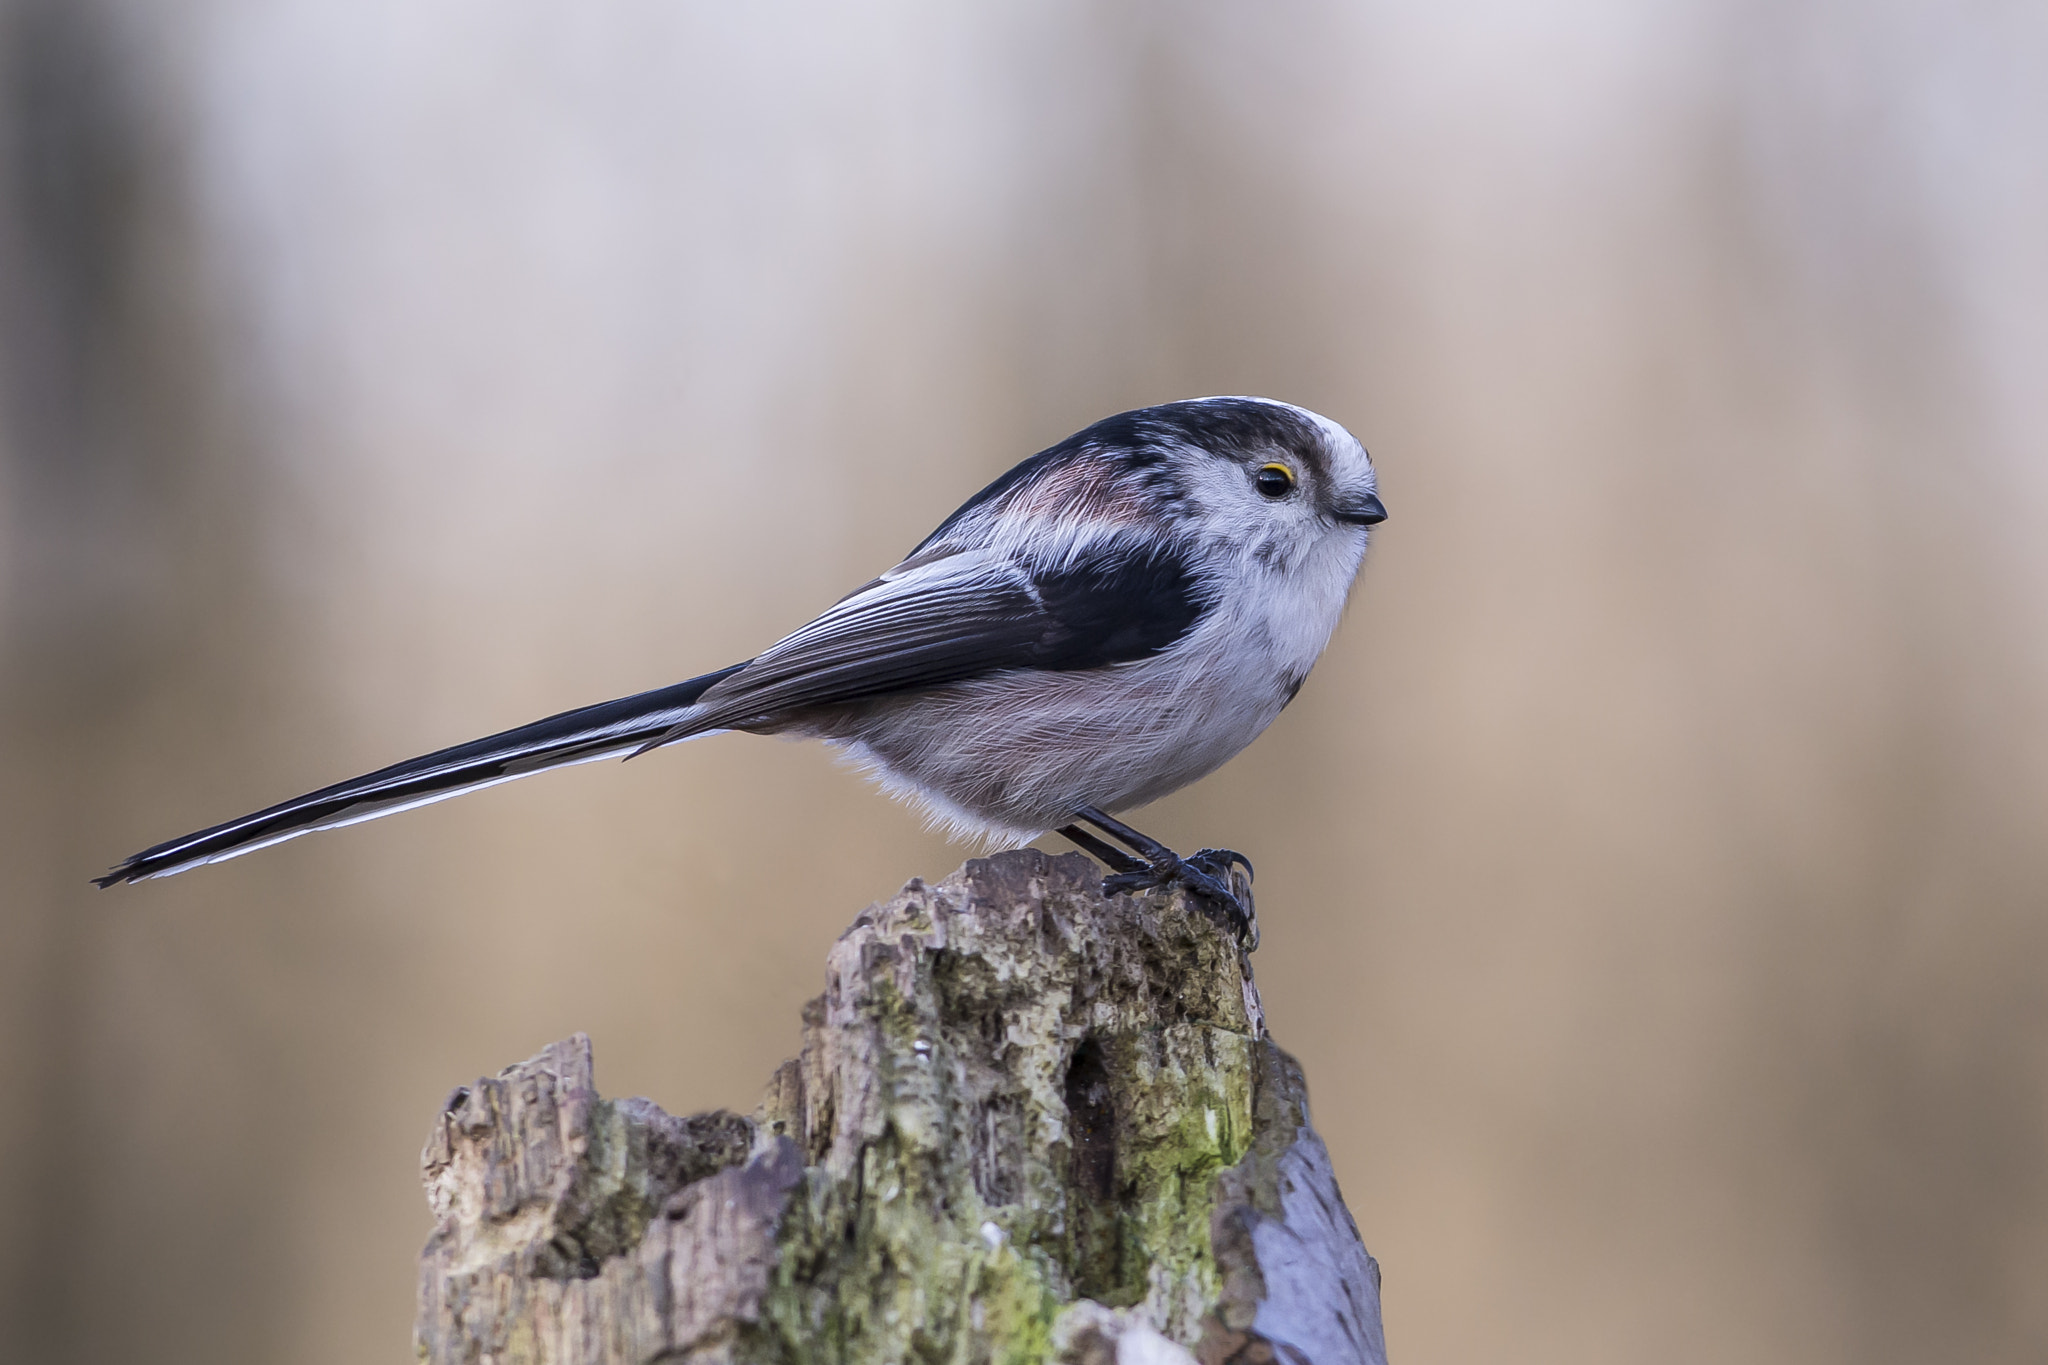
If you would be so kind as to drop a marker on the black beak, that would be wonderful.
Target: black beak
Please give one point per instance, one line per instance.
(1365, 511)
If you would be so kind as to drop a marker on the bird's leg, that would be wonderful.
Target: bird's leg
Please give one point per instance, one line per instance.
(1214, 861)
(1210, 874)
(1108, 854)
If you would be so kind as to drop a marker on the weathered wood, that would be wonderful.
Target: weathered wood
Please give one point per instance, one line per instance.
(1028, 1123)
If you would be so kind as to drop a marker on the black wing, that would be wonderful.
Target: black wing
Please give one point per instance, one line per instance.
(954, 617)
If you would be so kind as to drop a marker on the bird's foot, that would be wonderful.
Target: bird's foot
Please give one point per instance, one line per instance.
(1218, 880)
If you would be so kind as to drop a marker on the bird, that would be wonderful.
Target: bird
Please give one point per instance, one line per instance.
(1110, 620)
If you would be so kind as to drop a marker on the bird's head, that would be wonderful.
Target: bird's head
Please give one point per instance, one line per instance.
(1280, 482)
(1251, 464)
(1276, 481)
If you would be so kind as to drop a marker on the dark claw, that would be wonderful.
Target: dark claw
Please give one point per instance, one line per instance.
(1212, 878)
(1240, 914)
(1218, 861)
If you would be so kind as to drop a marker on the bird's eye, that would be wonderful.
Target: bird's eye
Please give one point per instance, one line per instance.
(1274, 480)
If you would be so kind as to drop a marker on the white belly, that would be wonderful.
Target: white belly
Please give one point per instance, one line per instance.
(1017, 754)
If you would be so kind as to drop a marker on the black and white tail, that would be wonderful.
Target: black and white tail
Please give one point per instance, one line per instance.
(578, 736)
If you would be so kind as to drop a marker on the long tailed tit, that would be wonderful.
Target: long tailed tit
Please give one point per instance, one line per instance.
(1110, 620)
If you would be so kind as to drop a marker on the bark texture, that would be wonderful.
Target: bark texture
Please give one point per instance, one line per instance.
(1028, 1124)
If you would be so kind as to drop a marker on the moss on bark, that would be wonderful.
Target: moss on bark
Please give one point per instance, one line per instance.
(1027, 1123)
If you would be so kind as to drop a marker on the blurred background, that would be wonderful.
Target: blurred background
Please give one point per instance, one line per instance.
(1653, 874)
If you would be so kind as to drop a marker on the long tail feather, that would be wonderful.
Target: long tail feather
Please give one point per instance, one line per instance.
(578, 736)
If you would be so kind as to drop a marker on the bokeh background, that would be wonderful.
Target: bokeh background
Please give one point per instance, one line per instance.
(1653, 874)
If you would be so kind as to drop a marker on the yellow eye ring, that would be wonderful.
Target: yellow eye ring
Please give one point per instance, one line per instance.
(1274, 480)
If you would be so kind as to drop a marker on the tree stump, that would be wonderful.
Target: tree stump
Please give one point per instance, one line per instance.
(1028, 1123)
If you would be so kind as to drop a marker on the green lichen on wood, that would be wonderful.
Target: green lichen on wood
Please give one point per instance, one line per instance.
(1017, 1095)
(1025, 1118)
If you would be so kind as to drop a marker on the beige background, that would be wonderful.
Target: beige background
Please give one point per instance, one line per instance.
(1653, 872)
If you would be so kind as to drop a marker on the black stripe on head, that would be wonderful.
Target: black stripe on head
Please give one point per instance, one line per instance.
(1242, 430)
(1137, 442)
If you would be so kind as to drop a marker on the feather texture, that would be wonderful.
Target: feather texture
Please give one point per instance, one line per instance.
(961, 616)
